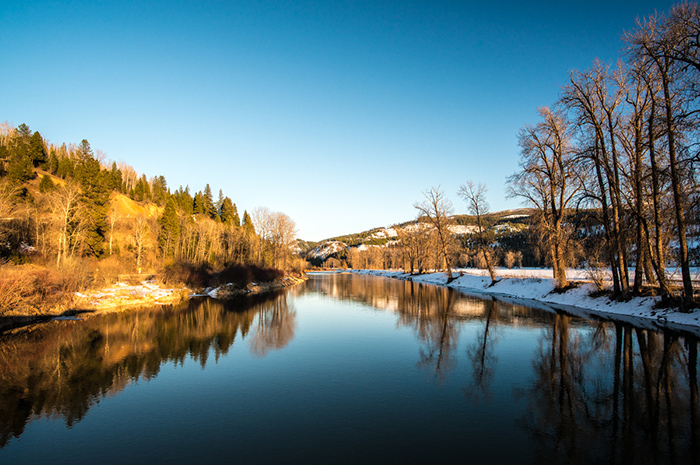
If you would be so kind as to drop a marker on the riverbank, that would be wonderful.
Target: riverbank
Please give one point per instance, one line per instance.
(536, 286)
(231, 290)
(123, 297)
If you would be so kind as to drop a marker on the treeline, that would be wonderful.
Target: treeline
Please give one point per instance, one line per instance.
(610, 171)
(62, 204)
(622, 140)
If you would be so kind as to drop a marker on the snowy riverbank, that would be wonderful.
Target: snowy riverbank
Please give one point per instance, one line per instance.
(535, 288)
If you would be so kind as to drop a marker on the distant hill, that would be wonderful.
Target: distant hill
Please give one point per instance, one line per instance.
(503, 224)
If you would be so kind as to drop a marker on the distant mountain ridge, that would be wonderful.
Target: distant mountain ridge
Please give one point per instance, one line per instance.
(318, 252)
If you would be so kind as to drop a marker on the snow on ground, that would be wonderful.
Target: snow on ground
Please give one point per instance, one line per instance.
(122, 294)
(535, 287)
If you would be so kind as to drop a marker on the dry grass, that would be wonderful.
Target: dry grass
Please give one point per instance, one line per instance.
(32, 290)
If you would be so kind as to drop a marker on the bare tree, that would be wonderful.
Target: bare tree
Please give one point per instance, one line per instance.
(141, 231)
(475, 196)
(436, 209)
(670, 46)
(65, 204)
(282, 235)
(547, 180)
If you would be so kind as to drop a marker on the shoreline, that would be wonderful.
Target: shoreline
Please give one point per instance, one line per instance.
(125, 297)
(539, 292)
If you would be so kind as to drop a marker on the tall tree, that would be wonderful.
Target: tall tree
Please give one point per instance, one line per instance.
(169, 229)
(436, 209)
(670, 45)
(475, 197)
(547, 180)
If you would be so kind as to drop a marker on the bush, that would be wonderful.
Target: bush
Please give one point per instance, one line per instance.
(203, 275)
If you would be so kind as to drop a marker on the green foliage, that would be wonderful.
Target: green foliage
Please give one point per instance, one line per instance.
(169, 229)
(95, 184)
(198, 204)
(248, 226)
(208, 203)
(37, 151)
(115, 176)
(20, 168)
(53, 163)
(65, 168)
(142, 191)
(184, 200)
(160, 192)
(46, 184)
(229, 214)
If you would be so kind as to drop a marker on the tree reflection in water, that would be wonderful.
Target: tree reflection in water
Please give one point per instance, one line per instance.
(62, 368)
(635, 402)
(583, 391)
(482, 356)
(600, 391)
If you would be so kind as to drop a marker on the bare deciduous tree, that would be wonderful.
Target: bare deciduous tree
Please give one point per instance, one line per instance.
(436, 209)
(547, 181)
(475, 197)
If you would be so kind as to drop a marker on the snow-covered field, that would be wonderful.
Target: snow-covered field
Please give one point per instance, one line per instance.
(535, 287)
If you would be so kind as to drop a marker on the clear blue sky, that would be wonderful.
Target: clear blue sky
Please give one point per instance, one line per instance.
(337, 113)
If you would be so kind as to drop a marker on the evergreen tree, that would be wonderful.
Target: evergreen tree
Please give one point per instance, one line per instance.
(248, 226)
(208, 202)
(219, 203)
(84, 152)
(116, 177)
(37, 151)
(46, 184)
(53, 163)
(160, 190)
(19, 168)
(146, 188)
(236, 218)
(66, 168)
(169, 229)
(198, 205)
(228, 212)
(22, 140)
(95, 184)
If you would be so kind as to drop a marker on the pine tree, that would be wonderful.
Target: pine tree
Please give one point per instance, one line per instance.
(19, 168)
(248, 226)
(228, 212)
(236, 218)
(53, 163)
(219, 203)
(46, 184)
(95, 186)
(198, 204)
(160, 190)
(116, 177)
(169, 229)
(37, 151)
(208, 203)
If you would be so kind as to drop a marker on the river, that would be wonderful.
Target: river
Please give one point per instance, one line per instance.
(348, 369)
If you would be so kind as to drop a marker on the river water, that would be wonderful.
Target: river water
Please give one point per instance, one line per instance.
(348, 369)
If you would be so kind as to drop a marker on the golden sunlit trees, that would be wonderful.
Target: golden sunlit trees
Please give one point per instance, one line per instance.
(436, 210)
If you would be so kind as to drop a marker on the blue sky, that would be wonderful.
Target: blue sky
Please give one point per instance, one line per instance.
(337, 113)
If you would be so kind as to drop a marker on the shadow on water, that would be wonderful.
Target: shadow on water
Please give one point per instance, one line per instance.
(61, 368)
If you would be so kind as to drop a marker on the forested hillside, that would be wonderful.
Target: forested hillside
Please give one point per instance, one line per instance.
(66, 207)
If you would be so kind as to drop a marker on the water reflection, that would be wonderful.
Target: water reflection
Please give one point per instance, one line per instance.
(616, 394)
(62, 368)
(481, 353)
(578, 391)
(599, 391)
